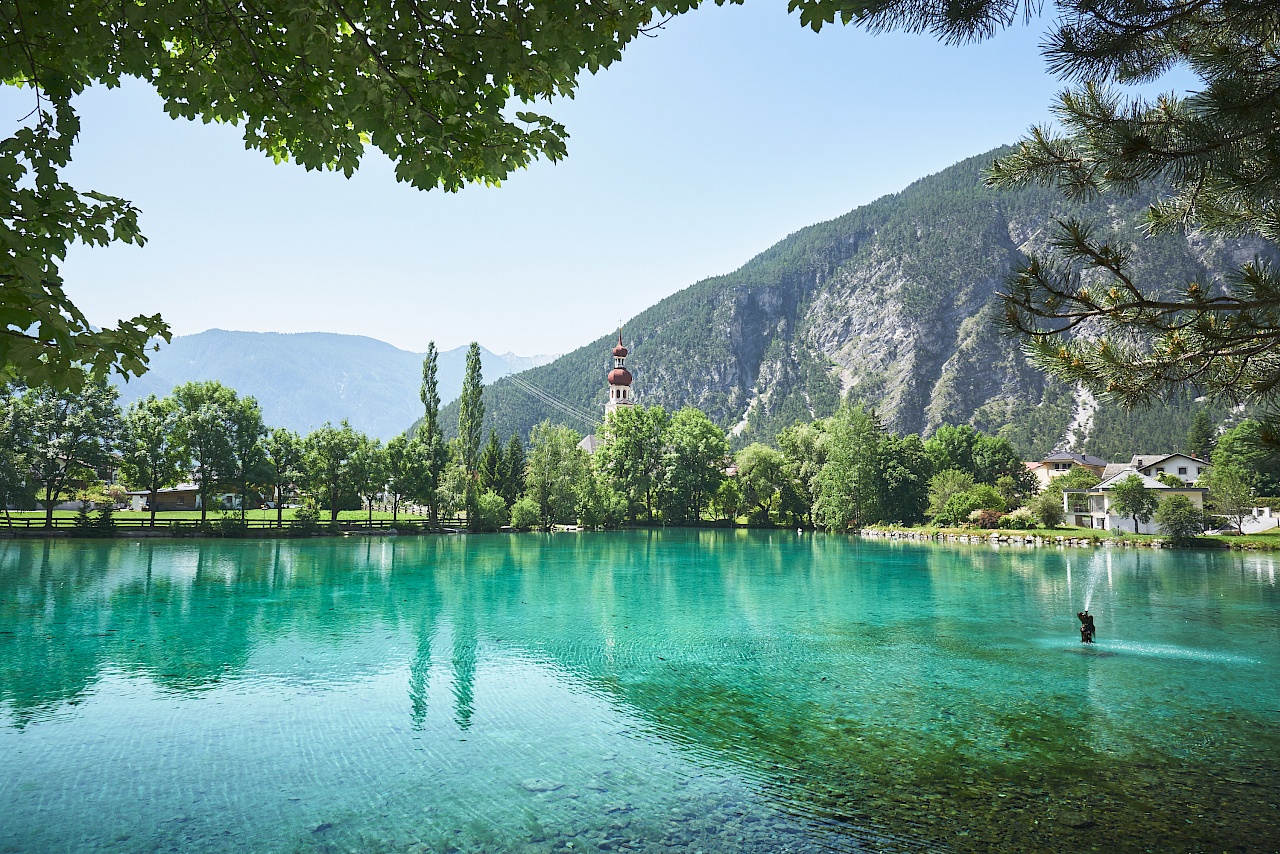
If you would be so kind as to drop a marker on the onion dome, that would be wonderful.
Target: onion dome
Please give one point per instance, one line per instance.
(620, 376)
(620, 351)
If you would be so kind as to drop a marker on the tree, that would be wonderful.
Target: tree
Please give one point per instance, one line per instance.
(805, 448)
(68, 435)
(904, 478)
(1179, 519)
(435, 453)
(944, 486)
(432, 87)
(204, 431)
(1130, 497)
(1230, 493)
(492, 465)
(728, 499)
(1213, 150)
(761, 471)
(1201, 438)
(556, 469)
(245, 431)
(406, 466)
(1246, 447)
(283, 454)
(513, 466)
(15, 488)
(693, 464)
(849, 485)
(368, 470)
(329, 452)
(151, 457)
(491, 511)
(633, 442)
(471, 413)
(951, 447)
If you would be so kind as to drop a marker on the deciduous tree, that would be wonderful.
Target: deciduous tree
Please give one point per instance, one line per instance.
(1130, 497)
(284, 454)
(151, 455)
(204, 431)
(68, 435)
(329, 452)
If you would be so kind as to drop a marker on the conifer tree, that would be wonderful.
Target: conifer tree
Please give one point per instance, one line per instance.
(513, 467)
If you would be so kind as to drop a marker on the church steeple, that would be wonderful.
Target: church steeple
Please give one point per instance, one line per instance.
(619, 379)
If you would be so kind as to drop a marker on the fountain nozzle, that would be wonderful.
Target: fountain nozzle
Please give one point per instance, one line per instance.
(1086, 626)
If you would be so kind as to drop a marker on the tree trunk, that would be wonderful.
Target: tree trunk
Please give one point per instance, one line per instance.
(279, 505)
(333, 506)
(370, 519)
(155, 491)
(395, 508)
(48, 506)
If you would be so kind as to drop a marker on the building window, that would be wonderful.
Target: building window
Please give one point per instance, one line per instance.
(1197, 469)
(1160, 471)
(1182, 469)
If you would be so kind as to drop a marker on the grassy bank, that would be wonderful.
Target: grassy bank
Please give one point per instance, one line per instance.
(1089, 536)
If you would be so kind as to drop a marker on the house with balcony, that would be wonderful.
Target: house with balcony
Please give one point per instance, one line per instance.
(1095, 507)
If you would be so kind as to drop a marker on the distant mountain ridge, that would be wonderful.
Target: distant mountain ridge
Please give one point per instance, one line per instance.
(894, 305)
(303, 379)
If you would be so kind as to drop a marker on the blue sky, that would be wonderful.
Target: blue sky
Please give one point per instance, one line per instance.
(702, 147)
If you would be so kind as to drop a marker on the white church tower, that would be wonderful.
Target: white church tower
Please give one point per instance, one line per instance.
(619, 380)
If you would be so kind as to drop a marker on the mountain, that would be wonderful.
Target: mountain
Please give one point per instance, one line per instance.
(304, 379)
(893, 304)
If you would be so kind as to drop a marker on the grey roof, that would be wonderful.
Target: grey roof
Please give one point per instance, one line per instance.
(1114, 469)
(1082, 459)
(1148, 482)
(589, 443)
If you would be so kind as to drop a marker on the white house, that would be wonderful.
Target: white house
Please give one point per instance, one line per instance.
(1183, 466)
(1099, 512)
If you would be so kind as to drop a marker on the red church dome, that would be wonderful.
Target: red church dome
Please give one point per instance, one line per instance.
(620, 350)
(620, 376)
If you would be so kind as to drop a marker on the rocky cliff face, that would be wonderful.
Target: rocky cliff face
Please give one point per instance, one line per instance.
(893, 304)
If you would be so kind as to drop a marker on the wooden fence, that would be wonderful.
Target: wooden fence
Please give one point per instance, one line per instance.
(30, 523)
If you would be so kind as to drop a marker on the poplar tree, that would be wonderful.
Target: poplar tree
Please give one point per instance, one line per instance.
(471, 413)
(434, 453)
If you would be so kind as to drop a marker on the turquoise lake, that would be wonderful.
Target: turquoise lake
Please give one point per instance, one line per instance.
(691, 691)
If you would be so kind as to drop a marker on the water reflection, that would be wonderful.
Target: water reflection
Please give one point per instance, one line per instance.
(913, 693)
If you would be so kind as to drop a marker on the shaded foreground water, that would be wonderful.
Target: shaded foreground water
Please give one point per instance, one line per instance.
(713, 691)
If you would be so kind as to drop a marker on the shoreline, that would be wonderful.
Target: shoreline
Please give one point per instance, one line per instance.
(1046, 538)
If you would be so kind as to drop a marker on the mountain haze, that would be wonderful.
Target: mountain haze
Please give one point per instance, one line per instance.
(304, 379)
(893, 304)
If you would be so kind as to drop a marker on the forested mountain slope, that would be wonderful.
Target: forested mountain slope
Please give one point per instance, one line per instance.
(304, 379)
(893, 304)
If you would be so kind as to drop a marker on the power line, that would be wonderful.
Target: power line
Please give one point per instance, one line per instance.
(552, 401)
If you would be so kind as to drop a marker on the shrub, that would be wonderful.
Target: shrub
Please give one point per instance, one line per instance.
(305, 522)
(525, 514)
(988, 518)
(1021, 518)
(230, 525)
(1179, 519)
(1047, 507)
(491, 511)
(105, 524)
